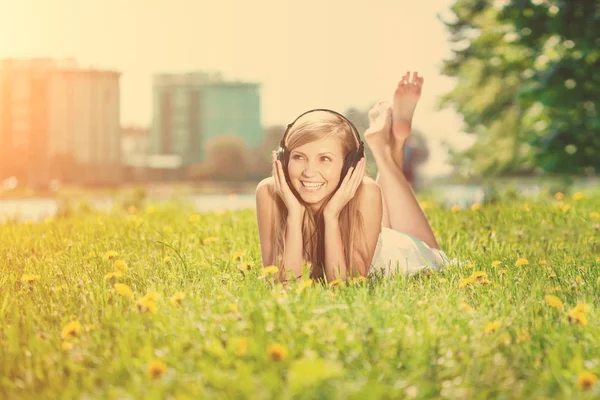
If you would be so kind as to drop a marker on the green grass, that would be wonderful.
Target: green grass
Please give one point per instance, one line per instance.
(392, 338)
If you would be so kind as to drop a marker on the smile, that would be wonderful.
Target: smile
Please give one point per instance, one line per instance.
(312, 187)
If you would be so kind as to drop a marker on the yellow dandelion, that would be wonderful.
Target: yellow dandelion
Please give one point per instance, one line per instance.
(556, 289)
(577, 315)
(492, 327)
(109, 255)
(586, 380)
(66, 346)
(156, 369)
(72, 329)
(479, 275)
(237, 256)
(475, 206)
(120, 266)
(29, 278)
(552, 275)
(131, 209)
(148, 303)
(465, 282)
(578, 196)
(595, 215)
(123, 290)
(305, 284)
(336, 282)
(167, 260)
(168, 229)
(209, 240)
(579, 280)
(240, 346)
(277, 352)
(521, 261)
(194, 218)
(112, 276)
(233, 307)
(151, 210)
(465, 307)
(455, 208)
(496, 263)
(177, 298)
(269, 270)
(565, 208)
(442, 280)
(554, 302)
(543, 262)
(245, 266)
(559, 196)
(525, 207)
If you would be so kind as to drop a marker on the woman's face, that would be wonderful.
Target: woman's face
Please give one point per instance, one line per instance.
(315, 169)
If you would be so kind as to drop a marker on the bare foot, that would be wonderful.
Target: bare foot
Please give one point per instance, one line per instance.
(378, 134)
(406, 98)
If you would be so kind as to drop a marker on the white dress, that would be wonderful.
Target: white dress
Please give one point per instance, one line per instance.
(402, 253)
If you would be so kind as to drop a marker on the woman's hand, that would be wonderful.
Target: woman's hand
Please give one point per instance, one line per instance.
(346, 191)
(294, 207)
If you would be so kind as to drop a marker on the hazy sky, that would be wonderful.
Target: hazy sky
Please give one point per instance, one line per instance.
(306, 54)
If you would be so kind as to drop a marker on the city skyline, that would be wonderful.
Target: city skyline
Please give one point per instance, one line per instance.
(338, 57)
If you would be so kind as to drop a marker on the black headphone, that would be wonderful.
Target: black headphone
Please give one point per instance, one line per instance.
(350, 161)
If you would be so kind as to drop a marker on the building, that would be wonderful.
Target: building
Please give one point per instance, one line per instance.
(59, 121)
(190, 109)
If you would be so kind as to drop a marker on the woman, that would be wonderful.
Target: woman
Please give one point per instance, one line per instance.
(319, 208)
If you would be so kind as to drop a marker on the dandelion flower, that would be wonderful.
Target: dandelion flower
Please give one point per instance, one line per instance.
(559, 196)
(521, 261)
(167, 259)
(131, 209)
(245, 266)
(112, 276)
(595, 215)
(72, 329)
(465, 307)
(552, 275)
(240, 346)
(237, 256)
(577, 315)
(167, 229)
(455, 208)
(194, 218)
(475, 206)
(492, 327)
(465, 282)
(66, 346)
(147, 303)
(123, 290)
(554, 302)
(209, 240)
(543, 262)
(109, 255)
(335, 283)
(496, 263)
(578, 196)
(565, 208)
(177, 298)
(277, 352)
(29, 278)
(586, 380)
(233, 307)
(305, 284)
(156, 369)
(269, 270)
(120, 266)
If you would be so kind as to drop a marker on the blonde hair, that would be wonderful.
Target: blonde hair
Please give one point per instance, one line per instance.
(309, 128)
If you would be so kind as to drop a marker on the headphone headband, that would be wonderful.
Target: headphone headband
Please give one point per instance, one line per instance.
(359, 141)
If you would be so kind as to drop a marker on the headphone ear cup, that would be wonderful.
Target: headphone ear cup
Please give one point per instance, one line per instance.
(350, 161)
(280, 154)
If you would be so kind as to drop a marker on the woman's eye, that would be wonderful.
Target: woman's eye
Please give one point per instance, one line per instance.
(297, 157)
(326, 158)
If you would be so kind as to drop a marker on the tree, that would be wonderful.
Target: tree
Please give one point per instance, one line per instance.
(226, 159)
(505, 92)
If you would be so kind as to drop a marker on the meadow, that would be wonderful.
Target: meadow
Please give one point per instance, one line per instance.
(162, 302)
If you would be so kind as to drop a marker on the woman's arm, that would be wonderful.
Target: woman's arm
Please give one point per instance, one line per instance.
(265, 203)
(370, 206)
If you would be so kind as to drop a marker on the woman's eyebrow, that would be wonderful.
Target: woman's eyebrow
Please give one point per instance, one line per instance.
(320, 154)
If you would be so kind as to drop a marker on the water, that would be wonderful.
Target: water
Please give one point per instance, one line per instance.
(40, 208)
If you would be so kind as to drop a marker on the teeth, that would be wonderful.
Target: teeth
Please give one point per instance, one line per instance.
(312, 185)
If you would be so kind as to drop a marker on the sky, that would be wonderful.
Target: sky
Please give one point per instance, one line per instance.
(305, 54)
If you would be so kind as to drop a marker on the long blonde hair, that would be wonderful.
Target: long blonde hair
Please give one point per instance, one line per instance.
(309, 128)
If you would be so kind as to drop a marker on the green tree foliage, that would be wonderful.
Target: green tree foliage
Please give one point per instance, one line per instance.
(515, 85)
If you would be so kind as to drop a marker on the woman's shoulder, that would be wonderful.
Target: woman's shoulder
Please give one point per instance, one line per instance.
(266, 187)
(371, 188)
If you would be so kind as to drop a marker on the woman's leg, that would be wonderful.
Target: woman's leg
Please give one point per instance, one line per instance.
(386, 136)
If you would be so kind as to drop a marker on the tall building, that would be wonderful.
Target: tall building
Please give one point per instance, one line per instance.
(59, 121)
(189, 109)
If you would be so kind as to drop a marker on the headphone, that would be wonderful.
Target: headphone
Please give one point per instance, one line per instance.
(350, 161)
